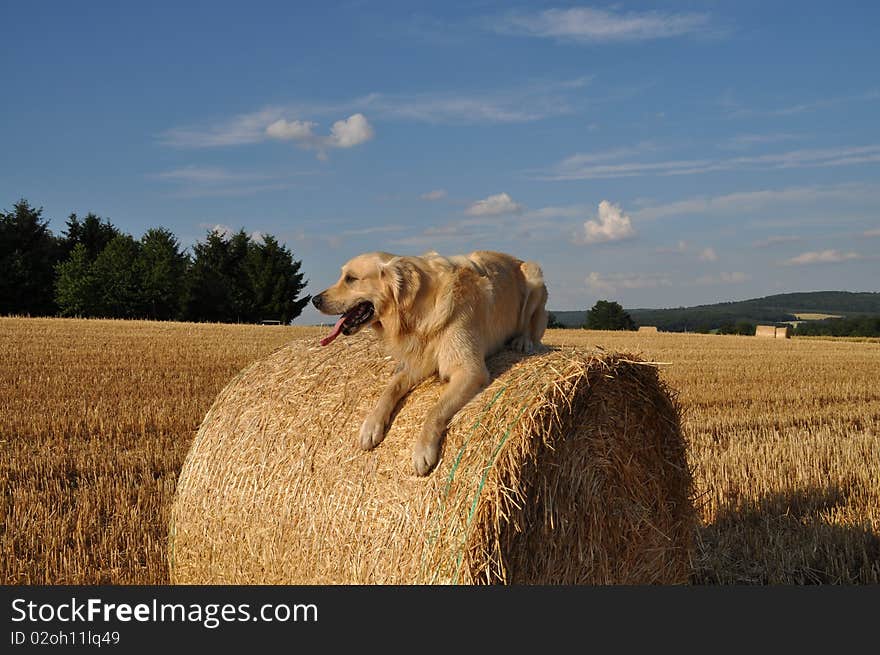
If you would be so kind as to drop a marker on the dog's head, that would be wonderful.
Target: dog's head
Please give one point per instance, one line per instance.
(373, 289)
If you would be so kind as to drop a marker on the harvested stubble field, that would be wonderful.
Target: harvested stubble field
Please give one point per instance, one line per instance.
(97, 416)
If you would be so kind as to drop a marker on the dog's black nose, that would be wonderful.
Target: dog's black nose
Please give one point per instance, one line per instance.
(317, 301)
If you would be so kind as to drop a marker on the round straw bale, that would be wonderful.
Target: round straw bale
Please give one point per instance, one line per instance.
(568, 468)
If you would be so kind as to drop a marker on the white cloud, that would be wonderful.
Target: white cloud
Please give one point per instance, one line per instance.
(612, 225)
(496, 205)
(270, 123)
(225, 232)
(822, 257)
(436, 194)
(524, 102)
(350, 132)
(708, 255)
(296, 130)
(586, 25)
(735, 277)
(347, 133)
(222, 231)
(599, 283)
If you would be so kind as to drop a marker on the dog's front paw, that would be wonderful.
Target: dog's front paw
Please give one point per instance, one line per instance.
(372, 432)
(426, 456)
(522, 344)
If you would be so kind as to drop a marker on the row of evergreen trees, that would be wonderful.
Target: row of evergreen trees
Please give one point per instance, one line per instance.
(96, 270)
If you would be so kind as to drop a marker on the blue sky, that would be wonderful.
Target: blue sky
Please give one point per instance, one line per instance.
(660, 154)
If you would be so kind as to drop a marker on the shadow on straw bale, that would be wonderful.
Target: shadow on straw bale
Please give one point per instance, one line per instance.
(569, 468)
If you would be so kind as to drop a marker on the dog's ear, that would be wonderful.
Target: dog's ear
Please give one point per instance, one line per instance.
(403, 279)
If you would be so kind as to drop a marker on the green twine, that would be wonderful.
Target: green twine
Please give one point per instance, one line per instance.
(435, 533)
(485, 475)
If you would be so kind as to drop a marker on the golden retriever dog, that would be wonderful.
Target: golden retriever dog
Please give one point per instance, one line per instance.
(436, 315)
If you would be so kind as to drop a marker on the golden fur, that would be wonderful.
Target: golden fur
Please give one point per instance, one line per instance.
(438, 315)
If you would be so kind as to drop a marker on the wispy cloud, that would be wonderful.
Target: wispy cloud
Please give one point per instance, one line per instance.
(496, 205)
(678, 249)
(586, 166)
(558, 211)
(708, 255)
(735, 109)
(746, 141)
(872, 233)
(611, 282)
(753, 200)
(526, 102)
(238, 130)
(776, 240)
(611, 224)
(436, 194)
(734, 277)
(206, 181)
(448, 233)
(822, 257)
(520, 104)
(376, 229)
(588, 25)
(208, 175)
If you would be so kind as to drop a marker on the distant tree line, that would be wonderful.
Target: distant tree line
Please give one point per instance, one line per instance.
(610, 315)
(95, 270)
(856, 326)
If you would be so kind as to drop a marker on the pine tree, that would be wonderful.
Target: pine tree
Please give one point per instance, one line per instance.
(28, 255)
(76, 291)
(163, 269)
(119, 279)
(275, 281)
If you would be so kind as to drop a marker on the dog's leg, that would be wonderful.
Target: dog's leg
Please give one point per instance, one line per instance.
(533, 316)
(463, 385)
(376, 423)
(538, 322)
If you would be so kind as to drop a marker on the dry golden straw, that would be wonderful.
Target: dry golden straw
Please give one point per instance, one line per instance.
(765, 331)
(569, 468)
(783, 332)
(652, 329)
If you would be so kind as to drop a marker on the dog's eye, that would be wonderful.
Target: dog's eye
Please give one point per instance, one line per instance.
(350, 278)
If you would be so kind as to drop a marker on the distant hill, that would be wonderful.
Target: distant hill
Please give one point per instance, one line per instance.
(770, 309)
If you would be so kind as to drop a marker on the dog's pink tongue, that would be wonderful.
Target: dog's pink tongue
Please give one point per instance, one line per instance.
(334, 332)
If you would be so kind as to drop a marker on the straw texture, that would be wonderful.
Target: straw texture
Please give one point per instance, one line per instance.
(569, 468)
(766, 331)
